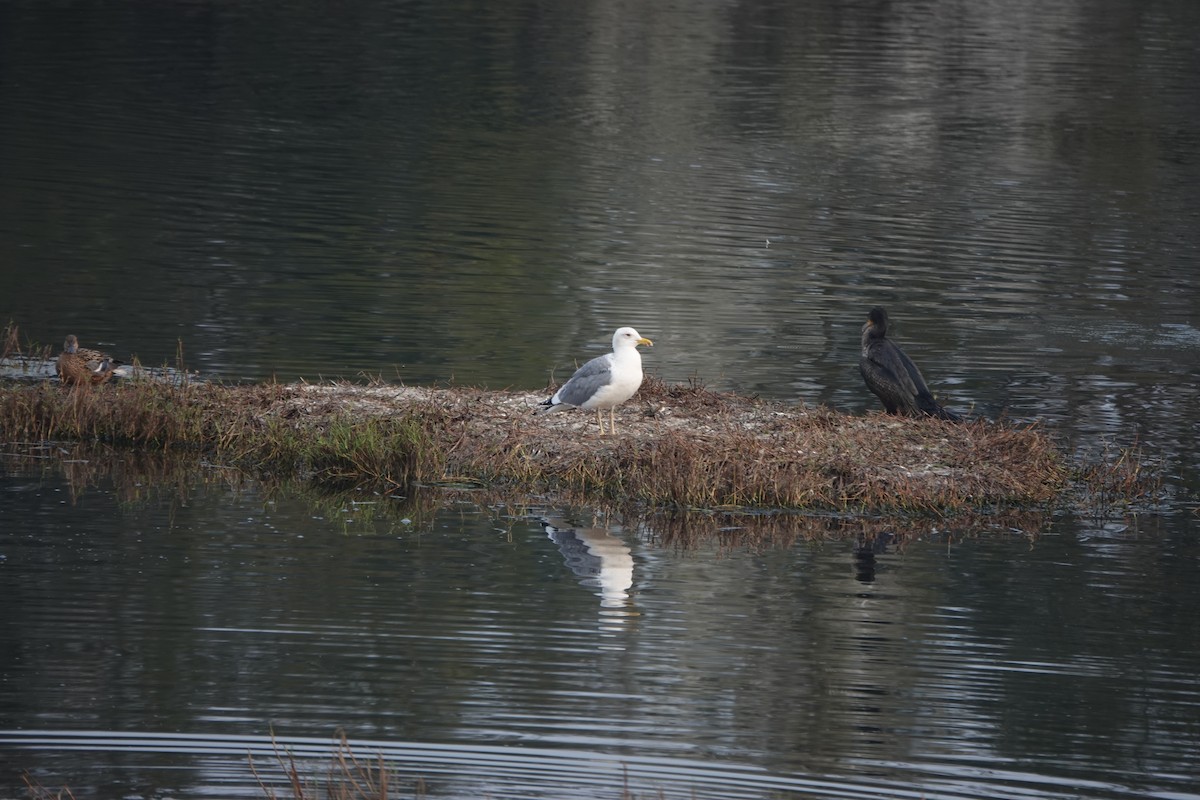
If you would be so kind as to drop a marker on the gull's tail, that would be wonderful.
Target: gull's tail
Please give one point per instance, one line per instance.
(547, 405)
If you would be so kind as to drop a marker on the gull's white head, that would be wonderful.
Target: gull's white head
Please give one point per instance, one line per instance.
(628, 337)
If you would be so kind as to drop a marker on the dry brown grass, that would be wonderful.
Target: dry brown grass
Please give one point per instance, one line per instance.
(18, 354)
(10, 342)
(346, 778)
(676, 446)
(37, 791)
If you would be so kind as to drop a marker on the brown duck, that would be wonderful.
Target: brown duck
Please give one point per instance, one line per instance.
(78, 366)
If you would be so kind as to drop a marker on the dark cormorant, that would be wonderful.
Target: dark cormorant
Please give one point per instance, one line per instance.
(892, 376)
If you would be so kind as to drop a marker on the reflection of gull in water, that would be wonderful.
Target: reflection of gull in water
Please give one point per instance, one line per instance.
(597, 557)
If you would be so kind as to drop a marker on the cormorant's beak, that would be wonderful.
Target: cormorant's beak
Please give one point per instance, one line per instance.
(645, 341)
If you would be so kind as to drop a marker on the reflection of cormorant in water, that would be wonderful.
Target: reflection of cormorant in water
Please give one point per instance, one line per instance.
(892, 376)
(602, 560)
(864, 555)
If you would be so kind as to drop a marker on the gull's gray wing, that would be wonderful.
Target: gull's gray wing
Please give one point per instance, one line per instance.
(587, 380)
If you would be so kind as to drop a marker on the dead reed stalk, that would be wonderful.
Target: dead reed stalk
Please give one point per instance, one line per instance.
(346, 778)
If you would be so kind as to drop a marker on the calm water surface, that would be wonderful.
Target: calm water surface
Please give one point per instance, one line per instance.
(149, 646)
(481, 193)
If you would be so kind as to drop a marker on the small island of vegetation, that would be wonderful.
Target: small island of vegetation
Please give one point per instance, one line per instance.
(680, 446)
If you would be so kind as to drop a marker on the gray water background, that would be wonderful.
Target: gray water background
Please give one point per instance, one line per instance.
(479, 194)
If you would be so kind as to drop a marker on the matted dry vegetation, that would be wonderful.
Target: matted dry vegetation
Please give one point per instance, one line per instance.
(679, 446)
